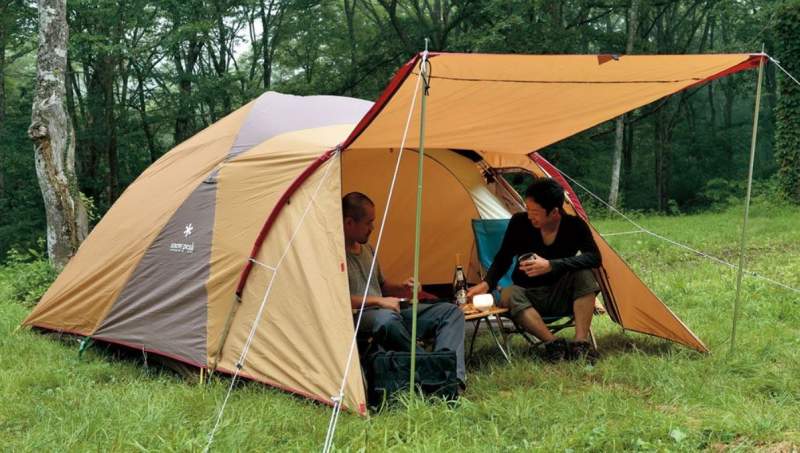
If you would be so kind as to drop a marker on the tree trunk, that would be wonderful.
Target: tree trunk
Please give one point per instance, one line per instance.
(2, 75)
(616, 165)
(712, 106)
(627, 157)
(151, 145)
(349, 13)
(271, 16)
(729, 91)
(663, 146)
(53, 137)
(619, 137)
(266, 71)
(184, 127)
(2, 102)
(110, 122)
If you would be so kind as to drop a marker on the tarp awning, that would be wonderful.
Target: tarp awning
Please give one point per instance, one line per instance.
(522, 103)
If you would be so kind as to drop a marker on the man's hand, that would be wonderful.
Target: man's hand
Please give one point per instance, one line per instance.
(480, 288)
(535, 267)
(390, 303)
(409, 283)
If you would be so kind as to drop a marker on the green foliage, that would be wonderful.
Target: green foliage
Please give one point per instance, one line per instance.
(91, 208)
(643, 395)
(26, 276)
(144, 75)
(22, 218)
(787, 134)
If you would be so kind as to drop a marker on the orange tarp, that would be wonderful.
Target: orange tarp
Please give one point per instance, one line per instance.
(522, 103)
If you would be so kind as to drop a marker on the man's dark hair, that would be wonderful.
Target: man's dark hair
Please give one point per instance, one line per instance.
(547, 193)
(353, 205)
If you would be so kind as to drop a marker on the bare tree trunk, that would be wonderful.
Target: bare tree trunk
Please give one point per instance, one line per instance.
(616, 164)
(619, 137)
(54, 139)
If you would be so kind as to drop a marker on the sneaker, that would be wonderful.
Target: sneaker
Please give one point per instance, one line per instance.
(579, 350)
(462, 387)
(556, 350)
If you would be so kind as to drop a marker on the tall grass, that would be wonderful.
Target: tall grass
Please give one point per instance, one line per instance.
(644, 394)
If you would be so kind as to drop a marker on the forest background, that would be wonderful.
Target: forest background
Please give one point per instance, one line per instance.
(145, 75)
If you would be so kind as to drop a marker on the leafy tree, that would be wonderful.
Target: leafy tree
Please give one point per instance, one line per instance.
(788, 109)
(144, 75)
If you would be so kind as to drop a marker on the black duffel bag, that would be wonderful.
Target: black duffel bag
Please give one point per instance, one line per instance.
(388, 373)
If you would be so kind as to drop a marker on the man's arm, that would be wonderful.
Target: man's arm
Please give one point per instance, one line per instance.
(390, 303)
(403, 289)
(590, 254)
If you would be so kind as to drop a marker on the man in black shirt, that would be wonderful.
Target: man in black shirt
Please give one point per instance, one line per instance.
(557, 279)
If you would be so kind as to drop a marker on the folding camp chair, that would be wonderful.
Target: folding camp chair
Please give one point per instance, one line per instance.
(488, 238)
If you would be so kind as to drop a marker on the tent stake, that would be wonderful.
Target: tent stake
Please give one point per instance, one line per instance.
(747, 204)
(423, 72)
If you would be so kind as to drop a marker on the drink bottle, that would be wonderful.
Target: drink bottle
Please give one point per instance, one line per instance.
(460, 286)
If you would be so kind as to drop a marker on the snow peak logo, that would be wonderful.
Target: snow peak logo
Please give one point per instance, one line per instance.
(184, 248)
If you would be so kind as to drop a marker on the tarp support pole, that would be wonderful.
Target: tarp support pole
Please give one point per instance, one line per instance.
(423, 72)
(743, 240)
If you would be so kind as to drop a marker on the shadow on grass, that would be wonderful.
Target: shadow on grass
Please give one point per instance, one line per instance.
(619, 343)
(151, 365)
(487, 354)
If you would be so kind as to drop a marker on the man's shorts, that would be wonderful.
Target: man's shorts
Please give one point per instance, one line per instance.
(552, 300)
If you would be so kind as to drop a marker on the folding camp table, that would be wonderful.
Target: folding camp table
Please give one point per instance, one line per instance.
(476, 317)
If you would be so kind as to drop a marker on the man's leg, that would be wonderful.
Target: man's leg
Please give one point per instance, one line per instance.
(515, 299)
(445, 323)
(575, 292)
(583, 308)
(580, 288)
(386, 328)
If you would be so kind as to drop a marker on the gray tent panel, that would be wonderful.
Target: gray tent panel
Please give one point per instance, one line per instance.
(163, 307)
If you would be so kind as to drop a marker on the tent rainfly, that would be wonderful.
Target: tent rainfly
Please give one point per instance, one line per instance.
(241, 224)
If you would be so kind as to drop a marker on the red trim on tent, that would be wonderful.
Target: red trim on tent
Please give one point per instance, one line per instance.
(59, 329)
(387, 94)
(138, 347)
(362, 410)
(134, 346)
(377, 107)
(750, 63)
(551, 170)
(273, 216)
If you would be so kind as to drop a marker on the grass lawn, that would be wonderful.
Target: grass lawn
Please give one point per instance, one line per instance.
(644, 394)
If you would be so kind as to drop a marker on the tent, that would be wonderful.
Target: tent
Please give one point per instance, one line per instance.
(227, 254)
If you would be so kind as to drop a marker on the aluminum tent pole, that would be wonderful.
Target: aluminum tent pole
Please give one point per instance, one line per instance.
(743, 240)
(424, 72)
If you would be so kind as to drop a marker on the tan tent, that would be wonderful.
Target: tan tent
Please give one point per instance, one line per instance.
(228, 252)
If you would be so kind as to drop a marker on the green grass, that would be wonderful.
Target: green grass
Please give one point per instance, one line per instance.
(645, 394)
